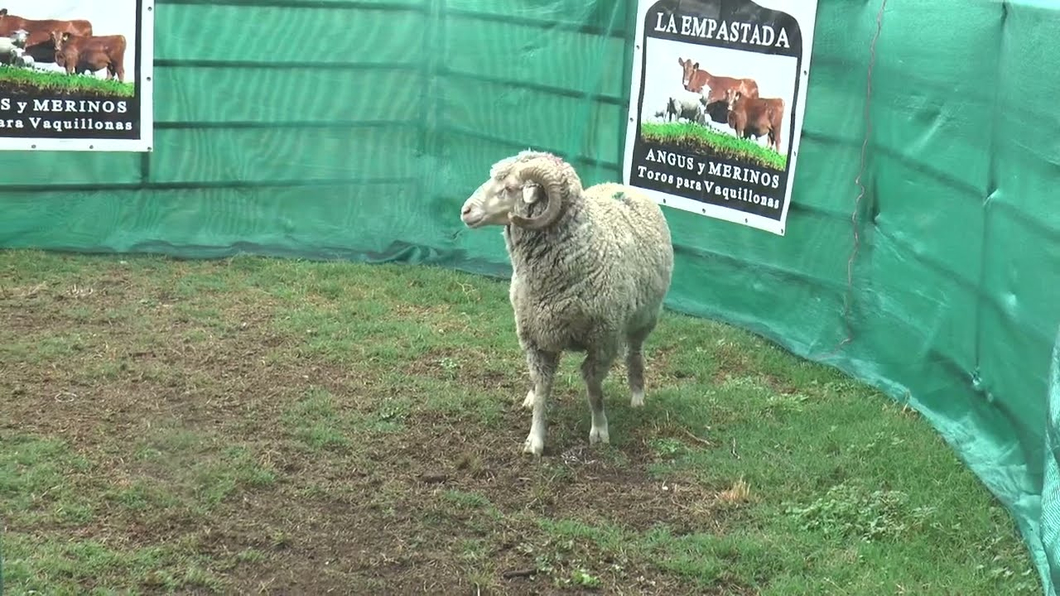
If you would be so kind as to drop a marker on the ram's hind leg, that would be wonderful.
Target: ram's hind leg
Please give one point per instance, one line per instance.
(542, 367)
(635, 364)
(594, 370)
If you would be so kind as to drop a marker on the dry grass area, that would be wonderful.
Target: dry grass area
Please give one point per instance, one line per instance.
(266, 426)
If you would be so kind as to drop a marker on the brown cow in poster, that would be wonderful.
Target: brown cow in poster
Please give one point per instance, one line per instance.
(693, 78)
(756, 116)
(79, 54)
(39, 42)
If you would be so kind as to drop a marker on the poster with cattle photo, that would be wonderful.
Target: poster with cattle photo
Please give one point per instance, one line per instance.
(717, 102)
(75, 75)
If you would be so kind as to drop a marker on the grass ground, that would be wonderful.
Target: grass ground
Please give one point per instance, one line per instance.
(704, 141)
(28, 81)
(249, 425)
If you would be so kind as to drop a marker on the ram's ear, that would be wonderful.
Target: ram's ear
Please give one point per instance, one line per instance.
(531, 193)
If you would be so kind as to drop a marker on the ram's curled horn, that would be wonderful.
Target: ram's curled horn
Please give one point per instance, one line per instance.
(543, 172)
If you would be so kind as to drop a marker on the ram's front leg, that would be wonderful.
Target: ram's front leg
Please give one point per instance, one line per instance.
(528, 401)
(542, 367)
(594, 370)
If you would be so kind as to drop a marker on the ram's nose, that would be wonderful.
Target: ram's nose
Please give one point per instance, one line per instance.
(466, 209)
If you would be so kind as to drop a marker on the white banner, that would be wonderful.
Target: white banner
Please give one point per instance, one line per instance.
(717, 102)
(76, 75)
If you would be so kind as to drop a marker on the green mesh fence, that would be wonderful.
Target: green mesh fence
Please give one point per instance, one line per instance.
(354, 129)
(1050, 518)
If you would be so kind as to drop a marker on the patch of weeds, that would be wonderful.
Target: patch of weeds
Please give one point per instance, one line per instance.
(668, 448)
(120, 315)
(711, 560)
(196, 336)
(109, 370)
(201, 467)
(141, 495)
(198, 577)
(166, 442)
(1001, 573)
(237, 467)
(458, 401)
(388, 496)
(81, 314)
(450, 366)
(787, 402)
(583, 579)
(473, 550)
(322, 435)
(72, 513)
(848, 511)
(42, 350)
(250, 555)
(483, 581)
(72, 566)
(480, 507)
(466, 500)
(390, 414)
(36, 480)
(879, 442)
(544, 564)
(314, 421)
(569, 531)
(278, 539)
(194, 285)
(202, 316)
(567, 559)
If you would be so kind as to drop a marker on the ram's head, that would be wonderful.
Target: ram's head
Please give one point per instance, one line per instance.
(515, 190)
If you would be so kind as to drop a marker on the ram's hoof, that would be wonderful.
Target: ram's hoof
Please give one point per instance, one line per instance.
(599, 435)
(637, 401)
(534, 446)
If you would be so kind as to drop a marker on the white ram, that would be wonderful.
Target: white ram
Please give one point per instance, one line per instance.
(13, 47)
(686, 105)
(590, 269)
